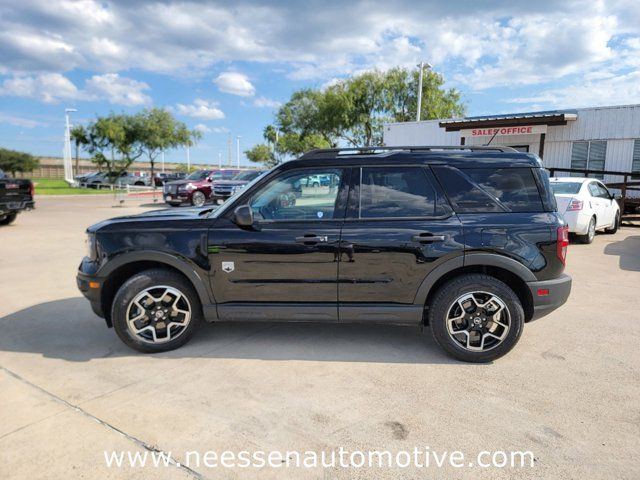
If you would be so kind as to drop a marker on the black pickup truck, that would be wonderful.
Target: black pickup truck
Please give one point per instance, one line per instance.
(15, 195)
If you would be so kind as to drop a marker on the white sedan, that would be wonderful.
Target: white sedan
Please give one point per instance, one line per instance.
(586, 205)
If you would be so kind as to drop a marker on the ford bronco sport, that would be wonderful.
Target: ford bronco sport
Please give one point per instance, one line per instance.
(466, 240)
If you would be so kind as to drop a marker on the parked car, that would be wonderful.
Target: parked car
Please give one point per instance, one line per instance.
(466, 240)
(223, 189)
(316, 181)
(162, 177)
(196, 188)
(16, 195)
(125, 178)
(82, 178)
(587, 206)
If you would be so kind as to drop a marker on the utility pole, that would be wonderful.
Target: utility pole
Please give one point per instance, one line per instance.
(422, 66)
(238, 150)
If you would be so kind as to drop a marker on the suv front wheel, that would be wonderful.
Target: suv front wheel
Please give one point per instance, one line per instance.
(476, 318)
(156, 311)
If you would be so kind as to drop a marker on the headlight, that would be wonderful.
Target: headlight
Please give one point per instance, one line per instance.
(236, 189)
(188, 186)
(91, 246)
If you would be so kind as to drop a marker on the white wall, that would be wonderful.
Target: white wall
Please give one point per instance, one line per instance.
(618, 125)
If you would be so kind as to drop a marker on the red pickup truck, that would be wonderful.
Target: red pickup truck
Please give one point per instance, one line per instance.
(196, 188)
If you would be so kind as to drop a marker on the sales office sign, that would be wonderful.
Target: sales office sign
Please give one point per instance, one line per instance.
(515, 130)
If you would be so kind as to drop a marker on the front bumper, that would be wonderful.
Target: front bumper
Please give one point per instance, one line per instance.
(549, 294)
(90, 284)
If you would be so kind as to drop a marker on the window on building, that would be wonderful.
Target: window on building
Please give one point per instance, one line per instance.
(635, 164)
(589, 156)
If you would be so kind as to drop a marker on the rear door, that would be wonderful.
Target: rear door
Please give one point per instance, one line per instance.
(398, 229)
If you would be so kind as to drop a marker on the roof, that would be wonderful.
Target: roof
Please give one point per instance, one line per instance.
(548, 117)
(464, 156)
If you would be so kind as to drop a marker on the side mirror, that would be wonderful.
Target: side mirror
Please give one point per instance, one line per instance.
(243, 216)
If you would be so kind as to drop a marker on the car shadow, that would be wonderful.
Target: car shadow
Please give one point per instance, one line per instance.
(629, 252)
(67, 329)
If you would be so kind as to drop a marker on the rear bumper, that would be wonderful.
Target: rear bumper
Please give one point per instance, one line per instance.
(578, 221)
(549, 294)
(9, 207)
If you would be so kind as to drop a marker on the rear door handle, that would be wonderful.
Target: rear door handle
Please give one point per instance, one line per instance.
(311, 239)
(428, 238)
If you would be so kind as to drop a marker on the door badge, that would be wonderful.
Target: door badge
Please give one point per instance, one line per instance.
(228, 267)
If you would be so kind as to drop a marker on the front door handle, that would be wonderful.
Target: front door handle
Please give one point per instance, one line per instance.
(311, 239)
(427, 237)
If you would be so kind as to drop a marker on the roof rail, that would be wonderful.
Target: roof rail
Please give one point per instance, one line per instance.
(332, 152)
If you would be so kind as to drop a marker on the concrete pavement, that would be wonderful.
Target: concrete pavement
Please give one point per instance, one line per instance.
(569, 391)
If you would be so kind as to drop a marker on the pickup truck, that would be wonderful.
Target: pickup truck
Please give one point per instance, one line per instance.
(15, 195)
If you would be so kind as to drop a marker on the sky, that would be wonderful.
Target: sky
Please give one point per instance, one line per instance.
(224, 67)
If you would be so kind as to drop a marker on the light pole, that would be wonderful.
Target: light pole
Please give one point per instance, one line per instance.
(68, 169)
(162, 161)
(188, 160)
(219, 159)
(421, 66)
(238, 150)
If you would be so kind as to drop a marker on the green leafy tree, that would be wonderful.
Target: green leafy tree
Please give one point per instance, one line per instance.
(80, 138)
(158, 131)
(261, 153)
(353, 111)
(14, 161)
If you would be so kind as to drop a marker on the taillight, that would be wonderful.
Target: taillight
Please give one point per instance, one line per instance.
(562, 242)
(575, 205)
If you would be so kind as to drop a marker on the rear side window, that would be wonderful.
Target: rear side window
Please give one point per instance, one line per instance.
(396, 192)
(486, 190)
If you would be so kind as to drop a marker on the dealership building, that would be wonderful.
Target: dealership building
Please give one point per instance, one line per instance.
(599, 138)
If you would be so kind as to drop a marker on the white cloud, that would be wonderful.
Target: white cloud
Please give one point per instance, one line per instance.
(235, 83)
(48, 87)
(20, 121)
(200, 109)
(118, 90)
(264, 102)
(54, 88)
(202, 128)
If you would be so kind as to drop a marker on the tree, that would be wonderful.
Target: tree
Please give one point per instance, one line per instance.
(14, 161)
(261, 153)
(158, 130)
(80, 137)
(353, 111)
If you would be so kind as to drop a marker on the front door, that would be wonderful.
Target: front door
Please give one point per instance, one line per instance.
(398, 229)
(286, 266)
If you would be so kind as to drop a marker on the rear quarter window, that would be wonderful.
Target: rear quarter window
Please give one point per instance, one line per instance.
(490, 190)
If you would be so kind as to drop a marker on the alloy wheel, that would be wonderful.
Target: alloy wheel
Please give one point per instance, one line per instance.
(478, 321)
(158, 314)
(592, 230)
(198, 199)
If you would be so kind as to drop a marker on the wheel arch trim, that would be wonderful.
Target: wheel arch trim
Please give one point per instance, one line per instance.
(184, 266)
(471, 259)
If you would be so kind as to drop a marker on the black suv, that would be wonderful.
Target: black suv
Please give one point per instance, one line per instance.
(466, 240)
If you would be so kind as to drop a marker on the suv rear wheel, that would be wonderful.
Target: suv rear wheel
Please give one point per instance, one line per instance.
(476, 318)
(156, 311)
(10, 218)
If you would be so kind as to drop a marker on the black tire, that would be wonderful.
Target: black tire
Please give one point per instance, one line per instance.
(9, 219)
(616, 225)
(139, 184)
(444, 300)
(137, 284)
(198, 198)
(316, 184)
(588, 237)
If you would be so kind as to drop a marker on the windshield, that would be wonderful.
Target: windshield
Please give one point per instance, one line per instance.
(560, 188)
(198, 175)
(249, 175)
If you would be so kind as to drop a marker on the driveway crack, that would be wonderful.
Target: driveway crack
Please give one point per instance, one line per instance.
(135, 440)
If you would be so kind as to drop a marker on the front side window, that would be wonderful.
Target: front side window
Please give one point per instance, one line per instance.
(289, 197)
(395, 192)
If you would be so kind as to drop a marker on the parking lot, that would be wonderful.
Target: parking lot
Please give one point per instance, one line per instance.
(569, 392)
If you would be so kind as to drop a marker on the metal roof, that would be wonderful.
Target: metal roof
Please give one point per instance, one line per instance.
(548, 117)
